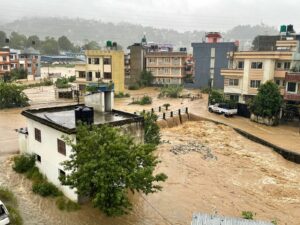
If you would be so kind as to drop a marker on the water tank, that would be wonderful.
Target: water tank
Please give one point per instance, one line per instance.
(85, 115)
(283, 29)
(290, 29)
(114, 44)
(108, 44)
(182, 49)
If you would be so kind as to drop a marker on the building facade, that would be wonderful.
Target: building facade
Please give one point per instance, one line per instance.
(167, 67)
(292, 87)
(209, 57)
(102, 66)
(30, 60)
(4, 61)
(248, 70)
(45, 128)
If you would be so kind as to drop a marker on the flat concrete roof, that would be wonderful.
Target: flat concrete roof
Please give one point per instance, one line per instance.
(63, 118)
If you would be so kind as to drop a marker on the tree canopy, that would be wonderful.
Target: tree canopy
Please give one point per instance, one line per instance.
(12, 95)
(268, 100)
(146, 78)
(65, 44)
(105, 164)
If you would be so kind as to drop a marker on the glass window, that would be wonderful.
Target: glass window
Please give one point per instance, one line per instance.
(61, 147)
(240, 65)
(233, 82)
(107, 61)
(96, 61)
(254, 83)
(291, 87)
(37, 135)
(107, 75)
(97, 74)
(89, 60)
(256, 65)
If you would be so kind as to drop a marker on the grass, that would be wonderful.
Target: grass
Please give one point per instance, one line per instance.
(145, 100)
(9, 200)
(248, 215)
(65, 204)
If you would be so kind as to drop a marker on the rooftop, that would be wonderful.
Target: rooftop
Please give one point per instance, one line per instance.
(63, 118)
(205, 219)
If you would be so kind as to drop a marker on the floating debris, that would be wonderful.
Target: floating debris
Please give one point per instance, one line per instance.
(193, 147)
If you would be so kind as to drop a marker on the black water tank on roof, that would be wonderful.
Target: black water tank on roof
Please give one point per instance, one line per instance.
(84, 114)
(290, 29)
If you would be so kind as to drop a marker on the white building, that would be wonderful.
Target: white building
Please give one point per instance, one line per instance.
(46, 127)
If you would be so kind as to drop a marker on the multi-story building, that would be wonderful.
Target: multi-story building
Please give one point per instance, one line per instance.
(292, 88)
(29, 59)
(14, 59)
(102, 66)
(166, 65)
(248, 70)
(209, 57)
(45, 128)
(4, 61)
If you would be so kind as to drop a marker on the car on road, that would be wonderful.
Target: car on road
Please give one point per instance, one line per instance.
(223, 108)
(4, 219)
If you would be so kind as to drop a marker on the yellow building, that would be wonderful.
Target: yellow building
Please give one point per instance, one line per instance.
(249, 69)
(102, 66)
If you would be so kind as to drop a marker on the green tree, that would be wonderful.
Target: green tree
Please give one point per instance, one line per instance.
(105, 164)
(12, 95)
(151, 129)
(92, 45)
(215, 97)
(65, 44)
(16, 74)
(268, 101)
(171, 91)
(3, 39)
(146, 78)
(34, 42)
(17, 41)
(50, 46)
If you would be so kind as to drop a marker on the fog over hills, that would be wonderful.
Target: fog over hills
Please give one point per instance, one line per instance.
(80, 30)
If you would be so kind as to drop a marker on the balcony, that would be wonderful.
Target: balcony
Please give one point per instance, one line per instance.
(280, 73)
(232, 72)
(292, 77)
(292, 97)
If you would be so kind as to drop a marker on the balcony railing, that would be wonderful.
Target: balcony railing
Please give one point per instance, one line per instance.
(293, 77)
(232, 72)
(292, 97)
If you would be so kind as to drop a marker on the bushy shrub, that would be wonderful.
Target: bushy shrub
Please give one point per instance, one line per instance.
(122, 95)
(14, 215)
(23, 163)
(215, 97)
(145, 100)
(248, 215)
(62, 82)
(35, 175)
(72, 78)
(134, 87)
(66, 204)
(171, 91)
(6, 195)
(151, 129)
(12, 95)
(45, 189)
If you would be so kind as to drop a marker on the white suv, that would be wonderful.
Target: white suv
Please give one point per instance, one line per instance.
(3, 214)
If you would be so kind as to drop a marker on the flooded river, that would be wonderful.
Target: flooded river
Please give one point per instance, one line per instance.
(211, 169)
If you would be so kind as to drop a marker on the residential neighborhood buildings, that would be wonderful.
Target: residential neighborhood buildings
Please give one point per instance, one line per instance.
(210, 56)
(102, 66)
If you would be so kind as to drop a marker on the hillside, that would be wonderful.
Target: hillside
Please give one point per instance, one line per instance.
(81, 30)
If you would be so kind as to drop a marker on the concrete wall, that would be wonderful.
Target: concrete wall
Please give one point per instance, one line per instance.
(203, 57)
(137, 63)
(51, 159)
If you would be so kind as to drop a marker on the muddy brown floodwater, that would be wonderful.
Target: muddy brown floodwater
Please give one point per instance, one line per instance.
(210, 168)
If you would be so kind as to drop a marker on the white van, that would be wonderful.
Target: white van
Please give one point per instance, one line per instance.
(3, 214)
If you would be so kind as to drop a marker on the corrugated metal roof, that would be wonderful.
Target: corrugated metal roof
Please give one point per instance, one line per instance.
(205, 219)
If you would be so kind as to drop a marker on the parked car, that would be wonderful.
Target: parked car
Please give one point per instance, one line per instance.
(4, 219)
(223, 108)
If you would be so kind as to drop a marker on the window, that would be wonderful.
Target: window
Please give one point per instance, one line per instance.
(287, 65)
(277, 82)
(212, 52)
(89, 61)
(234, 98)
(283, 65)
(278, 65)
(61, 147)
(107, 61)
(107, 75)
(4, 58)
(254, 83)
(38, 158)
(233, 82)
(97, 74)
(37, 135)
(28, 65)
(212, 63)
(96, 61)
(256, 65)
(291, 87)
(240, 65)
(166, 70)
(167, 60)
(5, 67)
(152, 60)
(61, 173)
(36, 57)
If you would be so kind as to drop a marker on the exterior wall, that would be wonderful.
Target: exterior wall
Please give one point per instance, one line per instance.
(205, 63)
(137, 62)
(116, 68)
(57, 71)
(31, 63)
(4, 62)
(166, 67)
(51, 159)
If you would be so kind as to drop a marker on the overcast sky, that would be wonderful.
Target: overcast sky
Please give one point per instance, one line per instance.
(177, 14)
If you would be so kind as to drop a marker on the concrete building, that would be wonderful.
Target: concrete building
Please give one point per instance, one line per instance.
(166, 65)
(102, 66)
(4, 61)
(292, 88)
(248, 70)
(29, 59)
(46, 126)
(209, 57)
